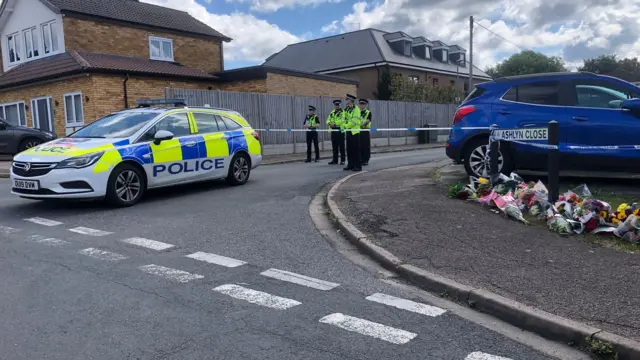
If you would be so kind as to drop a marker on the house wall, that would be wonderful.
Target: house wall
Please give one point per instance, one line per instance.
(110, 38)
(368, 78)
(303, 86)
(29, 14)
(101, 94)
(255, 86)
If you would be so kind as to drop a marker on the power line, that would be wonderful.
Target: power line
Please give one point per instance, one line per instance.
(500, 36)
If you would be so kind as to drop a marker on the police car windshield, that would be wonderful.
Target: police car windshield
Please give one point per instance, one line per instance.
(118, 125)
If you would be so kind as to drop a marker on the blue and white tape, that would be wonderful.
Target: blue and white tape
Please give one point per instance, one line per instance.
(372, 129)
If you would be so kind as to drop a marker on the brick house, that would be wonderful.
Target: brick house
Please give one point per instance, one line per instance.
(362, 55)
(65, 63)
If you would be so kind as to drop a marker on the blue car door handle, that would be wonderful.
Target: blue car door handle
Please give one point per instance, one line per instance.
(580, 118)
(504, 112)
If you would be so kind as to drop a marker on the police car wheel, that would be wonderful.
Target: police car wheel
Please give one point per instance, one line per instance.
(239, 170)
(126, 185)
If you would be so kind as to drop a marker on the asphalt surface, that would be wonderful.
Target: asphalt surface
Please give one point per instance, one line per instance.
(470, 244)
(75, 295)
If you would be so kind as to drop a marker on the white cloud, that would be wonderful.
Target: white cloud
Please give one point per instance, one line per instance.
(253, 39)
(331, 27)
(275, 5)
(580, 29)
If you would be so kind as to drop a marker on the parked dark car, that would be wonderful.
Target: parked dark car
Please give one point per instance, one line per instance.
(16, 139)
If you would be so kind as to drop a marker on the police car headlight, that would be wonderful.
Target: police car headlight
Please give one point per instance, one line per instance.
(80, 162)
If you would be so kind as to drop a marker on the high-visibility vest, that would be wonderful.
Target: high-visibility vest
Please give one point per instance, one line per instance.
(311, 120)
(365, 115)
(352, 120)
(336, 117)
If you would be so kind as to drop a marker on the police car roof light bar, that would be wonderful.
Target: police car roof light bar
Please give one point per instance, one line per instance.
(147, 103)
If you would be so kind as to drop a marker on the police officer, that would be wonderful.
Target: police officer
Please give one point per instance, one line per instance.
(334, 121)
(351, 125)
(311, 123)
(365, 136)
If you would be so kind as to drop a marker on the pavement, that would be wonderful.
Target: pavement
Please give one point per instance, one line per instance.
(209, 271)
(563, 288)
(5, 160)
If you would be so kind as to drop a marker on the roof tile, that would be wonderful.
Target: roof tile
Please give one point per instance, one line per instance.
(137, 12)
(69, 63)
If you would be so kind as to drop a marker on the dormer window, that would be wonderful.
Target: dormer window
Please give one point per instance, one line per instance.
(445, 56)
(457, 55)
(407, 48)
(160, 49)
(427, 53)
(421, 47)
(441, 51)
(13, 44)
(399, 42)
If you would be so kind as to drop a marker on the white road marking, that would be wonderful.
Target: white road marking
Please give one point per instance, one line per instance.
(43, 221)
(47, 240)
(299, 279)
(369, 328)
(7, 230)
(256, 297)
(169, 273)
(89, 231)
(149, 244)
(483, 356)
(102, 254)
(216, 259)
(408, 305)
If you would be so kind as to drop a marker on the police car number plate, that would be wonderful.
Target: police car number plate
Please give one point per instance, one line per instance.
(26, 184)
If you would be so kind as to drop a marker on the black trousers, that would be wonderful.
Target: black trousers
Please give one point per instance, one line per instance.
(365, 146)
(312, 136)
(353, 151)
(337, 145)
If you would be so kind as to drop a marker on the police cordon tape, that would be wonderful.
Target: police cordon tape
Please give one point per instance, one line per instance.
(372, 129)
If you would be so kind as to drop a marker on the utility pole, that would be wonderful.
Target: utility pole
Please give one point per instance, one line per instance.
(470, 53)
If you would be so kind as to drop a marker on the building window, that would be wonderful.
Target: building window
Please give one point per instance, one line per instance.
(452, 82)
(427, 53)
(435, 81)
(50, 37)
(407, 48)
(13, 44)
(445, 56)
(74, 114)
(31, 44)
(160, 48)
(14, 113)
(414, 79)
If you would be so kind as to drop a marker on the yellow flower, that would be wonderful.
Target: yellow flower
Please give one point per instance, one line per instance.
(603, 214)
(615, 221)
(622, 215)
(636, 212)
(483, 181)
(623, 207)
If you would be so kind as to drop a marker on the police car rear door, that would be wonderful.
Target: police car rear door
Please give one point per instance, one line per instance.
(215, 151)
(176, 160)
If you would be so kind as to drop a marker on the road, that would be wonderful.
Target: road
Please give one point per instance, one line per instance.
(195, 272)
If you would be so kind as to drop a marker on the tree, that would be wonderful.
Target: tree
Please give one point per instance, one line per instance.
(527, 62)
(404, 90)
(626, 69)
(383, 91)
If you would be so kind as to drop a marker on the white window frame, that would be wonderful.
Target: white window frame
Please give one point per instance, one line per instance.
(21, 122)
(35, 45)
(47, 29)
(17, 53)
(161, 41)
(445, 56)
(76, 123)
(414, 79)
(34, 119)
(427, 53)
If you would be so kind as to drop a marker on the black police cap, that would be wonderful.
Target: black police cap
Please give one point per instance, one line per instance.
(364, 101)
(351, 97)
(312, 108)
(337, 102)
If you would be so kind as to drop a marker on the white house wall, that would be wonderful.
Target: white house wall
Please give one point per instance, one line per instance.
(28, 14)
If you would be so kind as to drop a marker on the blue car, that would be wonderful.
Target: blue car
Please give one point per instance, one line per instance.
(592, 111)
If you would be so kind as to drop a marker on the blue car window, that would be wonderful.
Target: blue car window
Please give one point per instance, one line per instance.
(537, 93)
(602, 94)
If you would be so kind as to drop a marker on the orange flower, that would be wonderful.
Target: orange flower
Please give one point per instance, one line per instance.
(622, 215)
(636, 212)
(603, 214)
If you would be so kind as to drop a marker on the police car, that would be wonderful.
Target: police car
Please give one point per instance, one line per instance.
(121, 155)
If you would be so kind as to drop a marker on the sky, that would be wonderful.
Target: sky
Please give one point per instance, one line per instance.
(571, 29)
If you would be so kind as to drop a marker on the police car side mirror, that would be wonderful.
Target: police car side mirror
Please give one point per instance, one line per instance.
(161, 136)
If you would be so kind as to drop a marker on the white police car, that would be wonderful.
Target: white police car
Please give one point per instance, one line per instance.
(122, 154)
